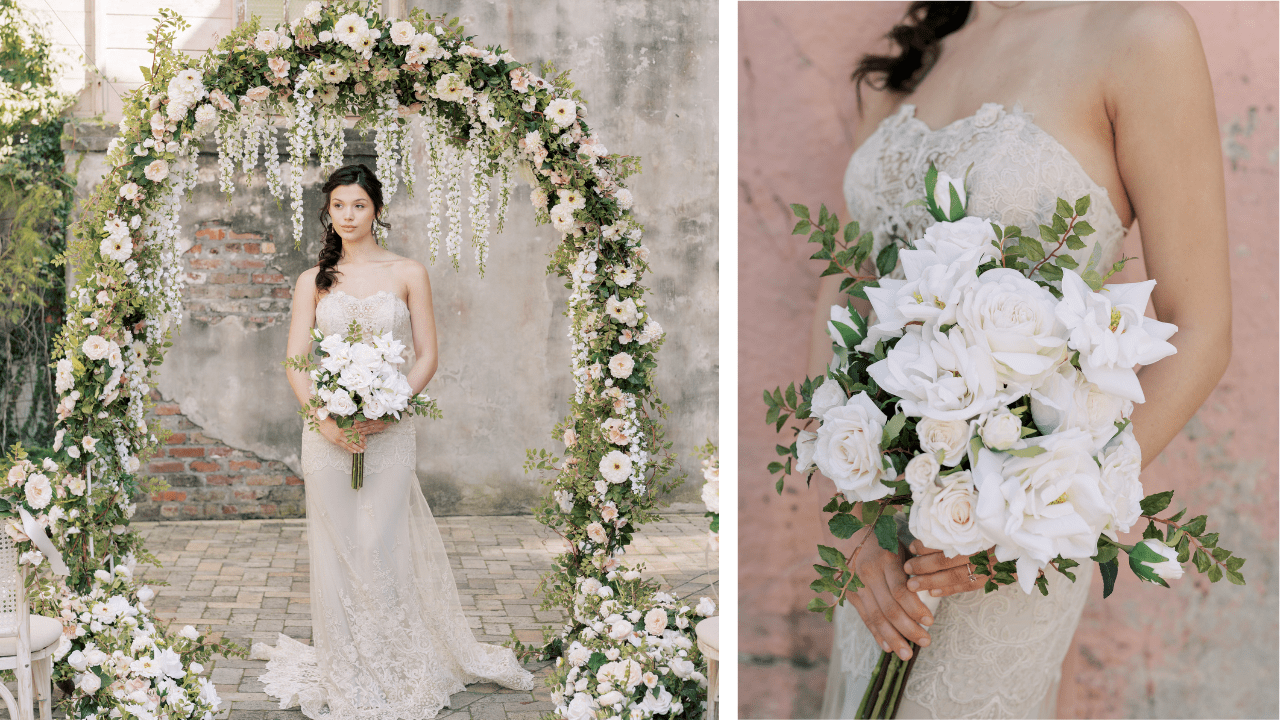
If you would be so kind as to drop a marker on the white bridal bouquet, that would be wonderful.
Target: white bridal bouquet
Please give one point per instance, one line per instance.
(988, 398)
(357, 380)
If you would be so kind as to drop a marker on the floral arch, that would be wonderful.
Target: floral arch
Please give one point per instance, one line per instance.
(485, 120)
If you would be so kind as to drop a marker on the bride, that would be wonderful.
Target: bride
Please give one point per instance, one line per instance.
(390, 638)
(1043, 100)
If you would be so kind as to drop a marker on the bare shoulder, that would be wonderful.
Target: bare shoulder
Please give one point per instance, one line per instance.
(308, 278)
(412, 274)
(876, 106)
(1145, 30)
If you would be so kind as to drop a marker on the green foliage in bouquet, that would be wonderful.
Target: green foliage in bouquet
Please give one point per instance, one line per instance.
(1041, 258)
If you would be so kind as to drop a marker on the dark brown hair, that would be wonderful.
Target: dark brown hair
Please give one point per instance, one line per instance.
(919, 37)
(331, 253)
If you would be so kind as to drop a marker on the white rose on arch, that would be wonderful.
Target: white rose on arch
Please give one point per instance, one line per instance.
(848, 449)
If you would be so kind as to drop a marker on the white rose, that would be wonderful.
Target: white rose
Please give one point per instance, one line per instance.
(38, 490)
(655, 621)
(189, 632)
(403, 33)
(806, 446)
(848, 449)
(1111, 333)
(682, 668)
(95, 347)
(266, 40)
(828, 395)
(839, 314)
(624, 199)
(596, 532)
(615, 466)
(621, 365)
(578, 654)
(89, 683)
(1170, 568)
(156, 171)
(1013, 319)
(942, 196)
(562, 217)
(145, 593)
(340, 403)
(582, 707)
(1121, 483)
(1000, 430)
(945, 518)
(620, 630)
(711, 495)
(659, 705)
(921, 471)
(706, 607)
(1036, 508)
(538, 198)
(951, 240)
(77, 661)
(947, 438)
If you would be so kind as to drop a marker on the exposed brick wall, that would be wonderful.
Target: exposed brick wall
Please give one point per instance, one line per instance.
(210, 480)
(232, 273)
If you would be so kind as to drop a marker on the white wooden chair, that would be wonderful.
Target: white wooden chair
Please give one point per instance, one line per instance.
(708, 632)
(27, 641)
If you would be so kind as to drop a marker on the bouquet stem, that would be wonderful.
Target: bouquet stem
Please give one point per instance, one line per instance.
(888, 681)
(357, 471)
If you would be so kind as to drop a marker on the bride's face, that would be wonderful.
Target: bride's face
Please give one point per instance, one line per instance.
(351, 211)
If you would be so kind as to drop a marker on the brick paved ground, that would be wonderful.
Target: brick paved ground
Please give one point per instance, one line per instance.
(249, 580)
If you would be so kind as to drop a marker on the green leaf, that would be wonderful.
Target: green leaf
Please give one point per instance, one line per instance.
(850, 336)
(1083, 229)
(1082, 205)
(1215, 573)
(1196, 527)
(817, 605)
(1151, 532)
(1059, 225)
(1110, 570)
(851, 233)
(892, 429)
(887, 533)
(1153, 504)
(887, 260)
(775, 467)
(1052, 273)
(1201, 560)
(844, 526)
(831, 556)
(1209, 540)
(1092, 278)
(785, 450)
(1235, 563)
(831, 505)
(1027, 452)
(1178, 516)
(1221, 554)
(1074, 243)
(1064, 209)
(1066, 261)
(791, 395)
(1095, 256)
(930, 182)
(1234, 577)
(801, 211)
(1048, 236)
(1031, 248)
(823, 216)
(801, 227)
(778, 485)
(957, 208)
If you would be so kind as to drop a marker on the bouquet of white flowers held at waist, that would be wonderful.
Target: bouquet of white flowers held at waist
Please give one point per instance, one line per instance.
(357, 380)
(989, 398)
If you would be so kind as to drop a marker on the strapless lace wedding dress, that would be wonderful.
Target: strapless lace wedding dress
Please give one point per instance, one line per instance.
(997, 654)
(390, 638)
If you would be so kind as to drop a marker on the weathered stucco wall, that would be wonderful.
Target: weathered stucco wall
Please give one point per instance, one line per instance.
(1145, 651)
(648, 72)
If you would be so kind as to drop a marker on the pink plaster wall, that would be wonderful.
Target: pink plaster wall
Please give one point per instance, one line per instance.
(1145, 651)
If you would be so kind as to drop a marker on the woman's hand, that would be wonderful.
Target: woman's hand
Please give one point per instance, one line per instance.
(369, 427)
(338, 436)
(890, 610)
(938, 574)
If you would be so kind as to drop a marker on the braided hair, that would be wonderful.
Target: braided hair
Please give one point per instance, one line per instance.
(919, 38)
(331, 253)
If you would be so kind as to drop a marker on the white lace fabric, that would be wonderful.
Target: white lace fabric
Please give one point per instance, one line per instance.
(390, 639)
(999, 654)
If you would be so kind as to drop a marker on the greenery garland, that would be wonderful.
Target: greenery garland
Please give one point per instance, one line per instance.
(479, 107)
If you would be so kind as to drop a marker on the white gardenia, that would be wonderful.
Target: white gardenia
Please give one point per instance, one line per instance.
(940, 376)
(1012, 319)
(1036, 508)
(1170, 568)
(1111, 333)
(945, 518)
(948, 439)
(848, 449)
(1066, 399)
(930, 294)
(1121, 483)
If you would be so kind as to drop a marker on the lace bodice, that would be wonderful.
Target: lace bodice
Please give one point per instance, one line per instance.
(1019, 172)
(378, 313)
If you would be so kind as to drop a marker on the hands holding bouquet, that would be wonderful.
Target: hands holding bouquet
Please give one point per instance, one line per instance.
(356, 389)
(989, 398)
